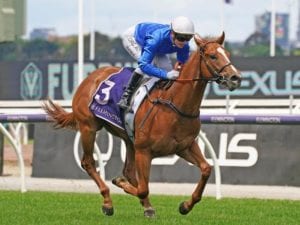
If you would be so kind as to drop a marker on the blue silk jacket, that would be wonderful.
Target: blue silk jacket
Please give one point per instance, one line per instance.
(155, 39)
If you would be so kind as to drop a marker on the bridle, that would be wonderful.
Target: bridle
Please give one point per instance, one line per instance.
(215, 72)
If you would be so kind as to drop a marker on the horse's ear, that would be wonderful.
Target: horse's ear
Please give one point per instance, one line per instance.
(199, 41)
(221, 39)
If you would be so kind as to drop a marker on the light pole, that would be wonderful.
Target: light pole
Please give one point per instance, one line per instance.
(92, 31)
(273, 30)
(80, 41)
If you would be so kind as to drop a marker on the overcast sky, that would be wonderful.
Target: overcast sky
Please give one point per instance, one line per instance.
(112, 17)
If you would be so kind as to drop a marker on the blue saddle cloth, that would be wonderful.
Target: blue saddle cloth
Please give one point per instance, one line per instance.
(108, 94)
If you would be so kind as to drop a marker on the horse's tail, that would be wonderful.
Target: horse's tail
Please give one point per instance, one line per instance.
(59, 115)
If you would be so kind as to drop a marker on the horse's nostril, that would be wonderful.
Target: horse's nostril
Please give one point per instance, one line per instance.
(235, 78)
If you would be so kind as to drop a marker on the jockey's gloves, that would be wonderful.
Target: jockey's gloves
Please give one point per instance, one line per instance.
(172, 75)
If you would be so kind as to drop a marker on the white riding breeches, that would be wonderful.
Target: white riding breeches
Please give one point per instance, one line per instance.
(134, 49)
(129, 43)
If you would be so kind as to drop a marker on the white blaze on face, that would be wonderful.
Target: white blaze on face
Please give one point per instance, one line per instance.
(222, 52)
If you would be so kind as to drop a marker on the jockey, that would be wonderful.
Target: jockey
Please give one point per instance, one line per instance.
(149, 44)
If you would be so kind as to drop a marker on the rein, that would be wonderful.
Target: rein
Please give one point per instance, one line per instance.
(170, 104)
(216, 76)
(174, 108)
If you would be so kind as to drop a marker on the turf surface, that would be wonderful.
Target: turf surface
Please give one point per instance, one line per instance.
(44, 208)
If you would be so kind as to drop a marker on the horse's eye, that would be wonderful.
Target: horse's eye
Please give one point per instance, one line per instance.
(213, 57)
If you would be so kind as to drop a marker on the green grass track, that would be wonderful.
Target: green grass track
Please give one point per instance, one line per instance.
(44, 208)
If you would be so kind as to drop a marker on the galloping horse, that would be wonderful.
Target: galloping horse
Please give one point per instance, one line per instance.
(169, 117)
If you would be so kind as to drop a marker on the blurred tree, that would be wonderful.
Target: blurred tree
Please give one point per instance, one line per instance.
(295, 52)
(67, 48)
(256, 50)
(107, 49)
(8, 51)
(40, 49)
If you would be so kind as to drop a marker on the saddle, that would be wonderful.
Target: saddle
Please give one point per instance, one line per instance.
(108, 94)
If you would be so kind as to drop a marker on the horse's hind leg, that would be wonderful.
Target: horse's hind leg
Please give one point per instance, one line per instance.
(195, 156)
(129, 171)
(88, 136)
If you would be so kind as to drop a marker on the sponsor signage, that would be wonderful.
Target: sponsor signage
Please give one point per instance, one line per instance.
(31, 83)
(265, 77)
(247, 154)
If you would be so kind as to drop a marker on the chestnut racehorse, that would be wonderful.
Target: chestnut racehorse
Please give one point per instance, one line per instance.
(170, 123)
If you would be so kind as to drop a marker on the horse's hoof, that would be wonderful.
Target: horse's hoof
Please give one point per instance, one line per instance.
(107, 211)
(149, 213)
(117, 180)
(182, 209)
(114, 180)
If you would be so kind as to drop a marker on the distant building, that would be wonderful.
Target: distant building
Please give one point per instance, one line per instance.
(297, 42)
(12, 19)
(43, 33)
(263, 24)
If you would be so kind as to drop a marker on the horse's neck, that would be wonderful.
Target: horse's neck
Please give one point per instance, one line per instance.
(188, 94)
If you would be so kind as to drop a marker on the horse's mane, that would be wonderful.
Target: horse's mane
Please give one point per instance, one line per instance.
(209, 38)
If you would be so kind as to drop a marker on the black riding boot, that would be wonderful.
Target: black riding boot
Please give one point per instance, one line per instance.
(132, 85)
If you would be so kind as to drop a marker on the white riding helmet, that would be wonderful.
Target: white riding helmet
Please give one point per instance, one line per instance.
(182, 25)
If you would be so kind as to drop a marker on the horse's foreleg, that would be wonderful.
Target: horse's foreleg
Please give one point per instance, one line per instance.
(143, 163)
(88, 163)
(195, 156)
(123, 183)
